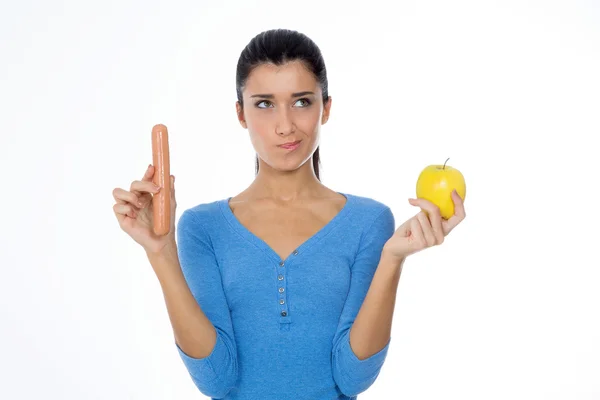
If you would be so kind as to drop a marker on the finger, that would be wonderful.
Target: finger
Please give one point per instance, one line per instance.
(424, 204)
(173, 199)
(149, 173)
(147, 177)
(426, 229)
(459, 205)
(122, 196)
(124, 210)
(435, 218)
(172, 184)
(459, 213)
(139, 187)
(418, 241)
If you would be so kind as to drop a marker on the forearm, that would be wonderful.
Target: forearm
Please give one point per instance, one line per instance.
(194, 332)
(372, 327)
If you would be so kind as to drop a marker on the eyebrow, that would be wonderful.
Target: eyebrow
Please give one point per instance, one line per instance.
(270, 96)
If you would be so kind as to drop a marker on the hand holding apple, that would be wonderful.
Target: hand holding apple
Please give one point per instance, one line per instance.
(426, 229)
(441, 192)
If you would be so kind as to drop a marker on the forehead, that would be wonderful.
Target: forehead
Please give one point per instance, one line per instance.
(281, 79)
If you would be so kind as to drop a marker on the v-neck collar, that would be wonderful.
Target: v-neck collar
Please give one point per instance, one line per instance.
(238, 227)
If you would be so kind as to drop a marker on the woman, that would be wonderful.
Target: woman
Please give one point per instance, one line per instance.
(286, 290)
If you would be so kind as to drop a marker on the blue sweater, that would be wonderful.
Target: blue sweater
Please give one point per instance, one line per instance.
(283, 326)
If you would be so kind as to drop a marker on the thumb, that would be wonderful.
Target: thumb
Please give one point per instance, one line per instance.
(173, 201)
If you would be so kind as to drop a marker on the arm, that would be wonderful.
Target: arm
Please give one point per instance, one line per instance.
(372, 328)
(359, 350)
(191, 282)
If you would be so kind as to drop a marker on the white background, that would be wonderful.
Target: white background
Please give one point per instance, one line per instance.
(506, 308)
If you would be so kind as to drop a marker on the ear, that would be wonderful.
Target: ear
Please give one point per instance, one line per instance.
(326, 110)
(240, 114)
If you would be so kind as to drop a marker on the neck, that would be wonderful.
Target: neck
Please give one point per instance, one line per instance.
(286, 185)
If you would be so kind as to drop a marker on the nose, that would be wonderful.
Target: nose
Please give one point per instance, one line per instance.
(285, 123)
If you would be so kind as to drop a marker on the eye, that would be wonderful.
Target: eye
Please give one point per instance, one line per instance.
(306, 102)
(261, 102)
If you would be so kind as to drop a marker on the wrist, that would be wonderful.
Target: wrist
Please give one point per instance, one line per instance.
(167, 251)
(391, 258)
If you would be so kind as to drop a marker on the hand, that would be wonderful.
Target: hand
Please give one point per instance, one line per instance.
(133, 210)
(425, 229)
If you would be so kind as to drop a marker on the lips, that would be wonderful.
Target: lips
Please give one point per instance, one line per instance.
(290, 144)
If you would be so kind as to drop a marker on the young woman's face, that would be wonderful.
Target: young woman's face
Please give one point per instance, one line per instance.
(283, 104)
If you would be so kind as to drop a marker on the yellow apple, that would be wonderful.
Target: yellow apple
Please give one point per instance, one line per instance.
(436, 182)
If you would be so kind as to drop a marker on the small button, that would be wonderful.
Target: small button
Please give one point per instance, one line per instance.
(281, 290)
(281, 264)
(283, 313)
(295, 252)
(282, 301)
(280, 277)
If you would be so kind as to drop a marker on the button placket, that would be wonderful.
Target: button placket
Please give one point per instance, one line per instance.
(282, 300)
(281, 289)
(283, 312)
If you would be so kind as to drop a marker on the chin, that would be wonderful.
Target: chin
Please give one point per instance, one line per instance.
(289, 165)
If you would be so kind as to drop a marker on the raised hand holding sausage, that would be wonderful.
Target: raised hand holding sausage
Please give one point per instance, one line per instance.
(147, 211)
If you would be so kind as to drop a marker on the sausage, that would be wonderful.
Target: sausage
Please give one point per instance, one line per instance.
(161, 201)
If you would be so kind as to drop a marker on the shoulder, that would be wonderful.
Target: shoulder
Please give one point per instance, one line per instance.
(372, 222)
(369, 209)
(369, 218)
(201, 216)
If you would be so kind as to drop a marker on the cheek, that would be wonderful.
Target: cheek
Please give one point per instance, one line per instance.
(260, 131)
(258, 122)
(308, 120)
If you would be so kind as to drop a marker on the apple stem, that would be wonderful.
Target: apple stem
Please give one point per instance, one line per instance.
(444, 167)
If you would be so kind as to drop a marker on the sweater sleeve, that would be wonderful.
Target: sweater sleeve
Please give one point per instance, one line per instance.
(216, 374)
(353, 375)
